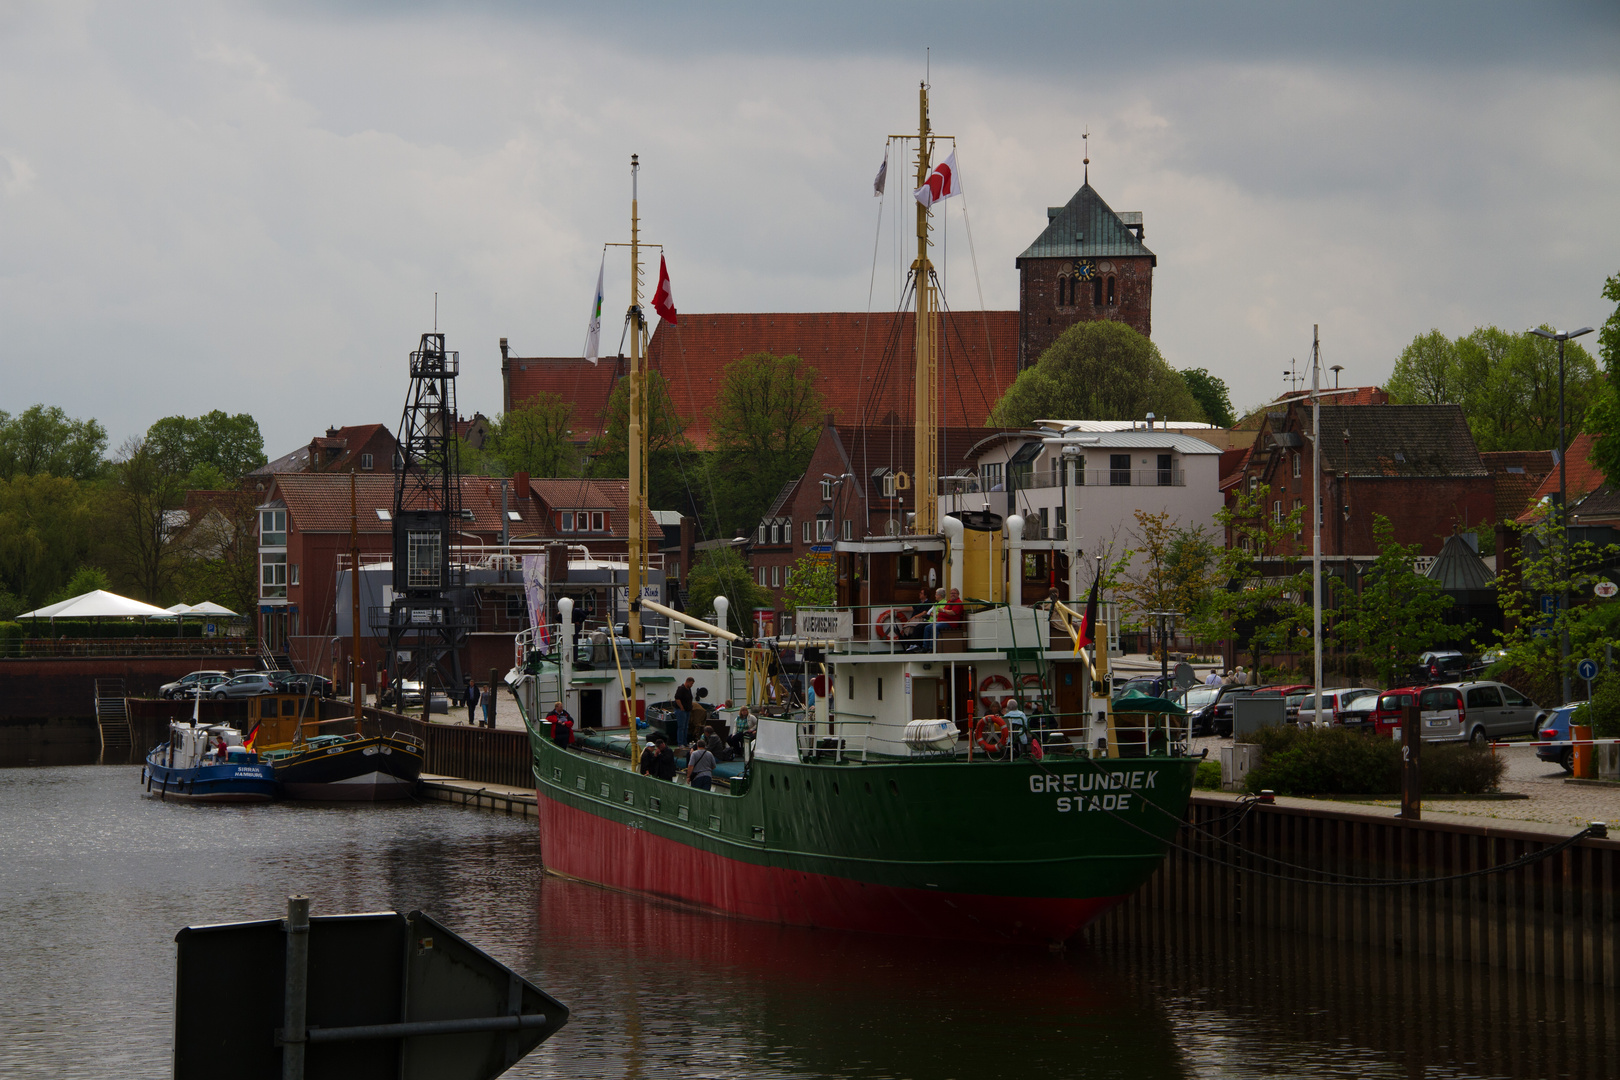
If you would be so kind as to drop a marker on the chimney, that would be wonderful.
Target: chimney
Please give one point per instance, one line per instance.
(1150, 421)
(520, 485)
(503, 352)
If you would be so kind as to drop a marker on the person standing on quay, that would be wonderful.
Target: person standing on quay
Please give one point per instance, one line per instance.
(488, 698)
(472, 702)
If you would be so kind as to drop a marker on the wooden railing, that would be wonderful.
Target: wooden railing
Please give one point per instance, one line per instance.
(481, 754)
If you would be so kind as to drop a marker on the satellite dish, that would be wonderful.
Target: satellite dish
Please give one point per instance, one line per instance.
(1185, 677)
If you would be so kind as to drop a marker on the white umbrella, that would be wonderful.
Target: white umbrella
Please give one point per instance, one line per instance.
(98, 604)
(208, 607)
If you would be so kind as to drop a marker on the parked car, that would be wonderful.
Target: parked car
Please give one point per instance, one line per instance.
(250, 685)
(1478, 712)
(1440, 666)
(1148, 686)
(1554, 724)
(1332, 704)
(300, 682)
(1484, 662)
(1215, 718)
(187, 685)
(410, 691)
(1380, 714)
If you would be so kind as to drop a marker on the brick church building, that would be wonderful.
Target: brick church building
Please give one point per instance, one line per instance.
(1088, 263)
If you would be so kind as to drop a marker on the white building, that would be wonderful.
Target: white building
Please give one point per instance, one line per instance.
(1113, 471)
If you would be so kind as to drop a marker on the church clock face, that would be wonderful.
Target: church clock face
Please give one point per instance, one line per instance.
(1084, 269)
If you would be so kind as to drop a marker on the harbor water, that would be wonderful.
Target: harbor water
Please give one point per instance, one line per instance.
(96, 878)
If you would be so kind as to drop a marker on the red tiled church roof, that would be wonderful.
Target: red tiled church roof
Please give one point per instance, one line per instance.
(1582, 477)
(572, 378)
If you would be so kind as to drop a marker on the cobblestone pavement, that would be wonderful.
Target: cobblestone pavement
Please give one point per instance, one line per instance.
(1550, 801)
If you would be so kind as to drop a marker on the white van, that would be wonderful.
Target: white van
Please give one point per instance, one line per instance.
(1479, 712)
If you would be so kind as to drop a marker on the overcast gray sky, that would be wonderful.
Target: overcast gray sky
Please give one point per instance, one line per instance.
(250, 206)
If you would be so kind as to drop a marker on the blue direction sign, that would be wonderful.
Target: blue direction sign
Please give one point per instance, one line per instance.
(1588, 670)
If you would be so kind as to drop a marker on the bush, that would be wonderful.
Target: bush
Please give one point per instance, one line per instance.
(1208, 775)
(11, 636)
(1604, 711)
(1332, 761)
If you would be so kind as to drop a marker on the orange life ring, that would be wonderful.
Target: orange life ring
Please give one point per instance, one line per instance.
(998, 703)
(990, 741)
(885, 623)
(1033, 689)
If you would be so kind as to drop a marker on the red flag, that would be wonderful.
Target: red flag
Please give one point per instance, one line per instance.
(942, 183)
(1088, 625)
(663, 299)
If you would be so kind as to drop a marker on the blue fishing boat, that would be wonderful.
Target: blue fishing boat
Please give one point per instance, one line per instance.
(207, 763)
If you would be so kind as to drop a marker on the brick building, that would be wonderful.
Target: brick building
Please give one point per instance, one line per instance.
(366, 447)
(1088, 264)
(1417, 465)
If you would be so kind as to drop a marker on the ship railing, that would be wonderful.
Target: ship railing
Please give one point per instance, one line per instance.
(844, 736)
(887, 628)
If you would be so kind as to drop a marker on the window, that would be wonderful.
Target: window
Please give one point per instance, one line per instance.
(1096, 292)
(762, 577)
(787, 530)
(1063, 291)
(1111, 288)
(805, 530)
(1119, 470)
(423, 552)
(776, 577)
(1045, 524)
(990, 476)
(292, 574)
(824, 528)
(761, 533)
(1296, 466)
(880, 689)
(849, 529)
(888, 485)
(598, 521)
(1167, 470)
(273, 575)
(1299, 508)
(272, 528)
(365, 461)
(1276, 512)
(776, 533)
(1254, 482)
(787, 576)
(565, 521)
(907, 569)
(852, 688)
(826, 490)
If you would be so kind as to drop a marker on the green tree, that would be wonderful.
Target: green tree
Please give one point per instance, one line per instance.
(674, 468)
(46, 528)
(1428, 372)
(1211, 394)
(218, 552)
(1609, 332)
(138, 527)
(766, 418)
(722, 572)
(1166, 568)
(812, 582)
(1399, 612)
(85, 579)
(231, 445)
(536, 438)
(44, 439)
(1603, 416)
(1261, 601)
(1097, 371)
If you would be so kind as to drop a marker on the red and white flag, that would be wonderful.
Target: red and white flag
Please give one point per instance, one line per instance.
(943, 182)
(663, 299)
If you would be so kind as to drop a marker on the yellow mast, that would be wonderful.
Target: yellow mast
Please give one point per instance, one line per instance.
(925, 487)
(637, 431)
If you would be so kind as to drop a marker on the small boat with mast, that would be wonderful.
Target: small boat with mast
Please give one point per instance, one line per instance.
(974, 783)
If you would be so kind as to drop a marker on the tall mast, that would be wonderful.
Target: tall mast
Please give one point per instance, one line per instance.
(637, 432)
(357, 688)
(925, 489)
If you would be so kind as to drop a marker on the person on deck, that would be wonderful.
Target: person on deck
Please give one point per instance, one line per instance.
(700, 764)
(715, 744)
(663, 765)
(683, 711)
(472, 702)
(562, 726)
(743, 730)
(649, 756)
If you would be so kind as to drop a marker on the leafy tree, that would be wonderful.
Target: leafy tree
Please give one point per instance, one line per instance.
(46, 529)
(1261, 602)
(1166, 568)
(674, 468)
(812, 582)
(1399, 612)
(1212, 396)
(1609, 332)
(138, 530)
(1097, 371)
(766, 419)
(1428, 372)
(43, 439)
(218, 552)
(722, 572)
(536, 438)
(232, 445)
(85, 579)
(1546, 568)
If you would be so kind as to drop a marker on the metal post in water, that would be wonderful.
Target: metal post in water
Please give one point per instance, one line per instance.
(1411, 776)
(293, 1035)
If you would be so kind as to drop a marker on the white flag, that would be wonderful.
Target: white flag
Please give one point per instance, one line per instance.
(883, 174)
(593, 335)
(942, 183)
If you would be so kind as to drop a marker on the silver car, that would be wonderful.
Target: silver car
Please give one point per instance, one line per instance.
(250, 685)
(1476, 712)
(1333, 702)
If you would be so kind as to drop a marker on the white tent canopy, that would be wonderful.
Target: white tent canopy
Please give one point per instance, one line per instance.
(208, 607)
(98, 604)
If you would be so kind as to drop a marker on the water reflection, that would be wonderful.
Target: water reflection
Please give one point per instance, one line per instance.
(95, 880)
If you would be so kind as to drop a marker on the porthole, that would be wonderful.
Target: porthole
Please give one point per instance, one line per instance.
(894, 788)
(786, 783)
(835, 787)
(869, 789)
(773, 781)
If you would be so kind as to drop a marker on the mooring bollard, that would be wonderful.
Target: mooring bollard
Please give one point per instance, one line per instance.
(1411, 776)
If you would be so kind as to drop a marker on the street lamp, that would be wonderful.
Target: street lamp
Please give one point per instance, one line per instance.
(1563, 509)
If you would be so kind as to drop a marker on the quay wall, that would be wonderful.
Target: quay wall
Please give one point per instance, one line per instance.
(1292, 867)
(40, 688)
(482, 754)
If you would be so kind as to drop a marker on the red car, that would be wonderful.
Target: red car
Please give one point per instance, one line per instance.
(1390, 712)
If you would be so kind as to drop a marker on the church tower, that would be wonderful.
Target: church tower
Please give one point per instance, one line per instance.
(1088, 264)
